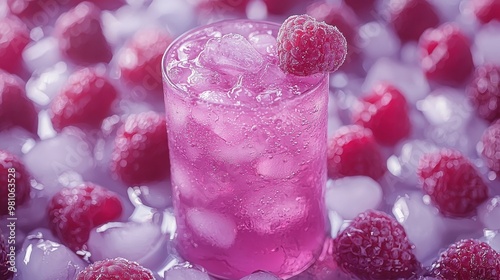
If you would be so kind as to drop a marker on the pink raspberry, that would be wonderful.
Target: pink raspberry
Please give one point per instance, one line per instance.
(85, 99)
(306, 46)
(352, 151)
(451, 181)
(117, 268)
(484, 91)
(375, 246)
(491, 147)
(361, 6)
(14, 36)
(445, 54)
(74, 212)
(102, 4)
(140, 154)
(486, 10)
(15, 107)
(26, 9)
(5, 273)
(468, 259)
(12, 171)
(410, 18)
(385, 113)
(140, 60)
(80, 36)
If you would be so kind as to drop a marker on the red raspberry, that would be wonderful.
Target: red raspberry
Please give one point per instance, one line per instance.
(452, 182)
(468, 259)
(12, 171)
(14, 36)
(140, 153)
(26, 9)
(445, 54)
(352, 151)
(385, 112)
(486, 10)
(484, 91)
(80, 36)
(74, 212)
(114, 269)
(491, 147)
(85, 99)
(375, 246)
(279, 7)
(410, 18)
(306, 46)
(140, 60)
(15, 107)
(5, 273)
(340, 16)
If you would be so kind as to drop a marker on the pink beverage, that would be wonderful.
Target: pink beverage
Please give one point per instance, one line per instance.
(247, 150)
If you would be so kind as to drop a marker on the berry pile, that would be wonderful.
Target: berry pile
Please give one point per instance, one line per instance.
(413, 146)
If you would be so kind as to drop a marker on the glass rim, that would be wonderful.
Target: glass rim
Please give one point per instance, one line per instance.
(186, 34)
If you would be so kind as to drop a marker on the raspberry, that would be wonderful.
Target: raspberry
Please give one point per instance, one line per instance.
(486, 10)
(26, 9)
(385, 112)
(484, 91)
(279, 7)
(340, 16)
(445, 54)
(103, 4)
(140, 60)
(491, 147)
(74, 212)
(5, 273)
(468, 259)
(410, 18)
(306, 46)
(14, 36)
(352, 151)
(80, 36)
(115, 269)
(12, 171)
(85, 99)
(15, 108)
(375, 246)
(452, 182)
(140, 153)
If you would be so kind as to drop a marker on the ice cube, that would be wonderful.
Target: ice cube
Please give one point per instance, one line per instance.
(377, 40)
(16, 140)
(230, 53)
(176, 14)
(422, 224)
(156, 195)
(350, 196)
(492, 237)
(140, 242)
(42, 54)
(44, 86)
(216, 228)
(272, 211)
(489, 213)
(404, 164)
(278, 166)
(45, 128)
(121, 24)
(410, 80)
(261, 276)
(487, 43)
(264, 43)
(66, 152)
(30, 212)
(185, 273)
(448, 10)
(44, 259)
